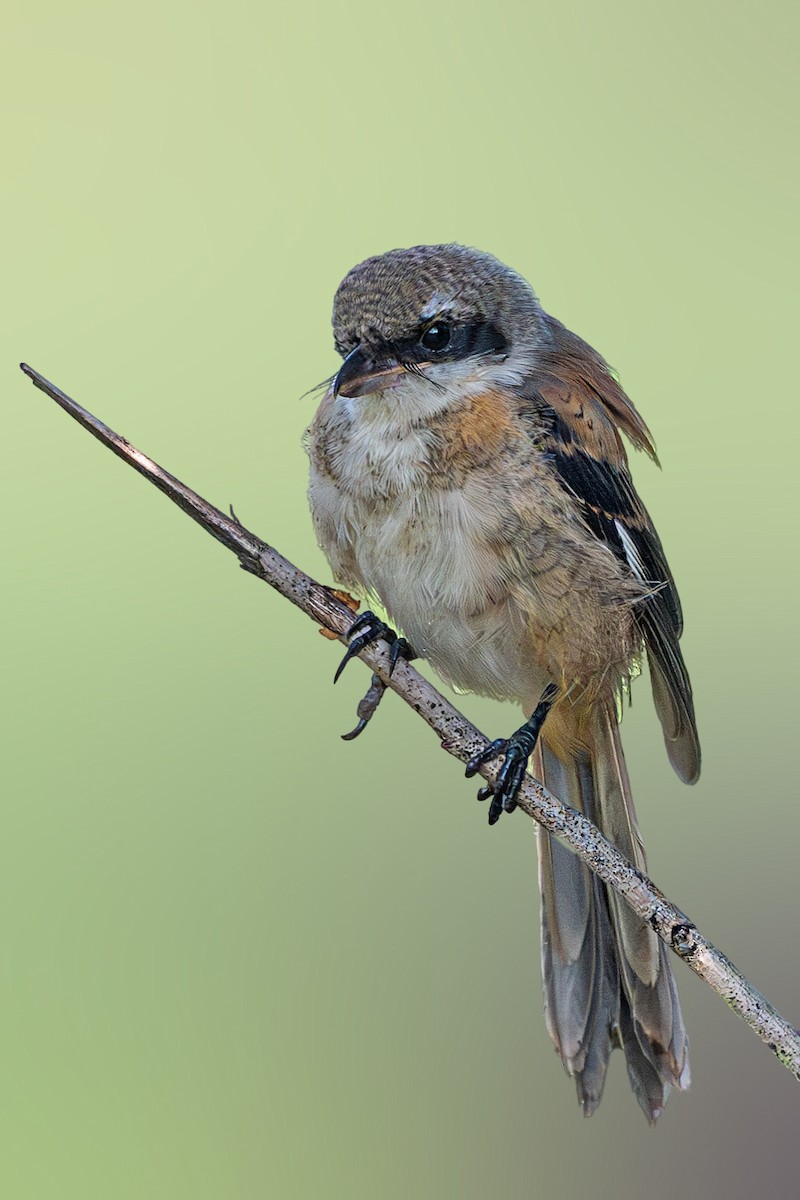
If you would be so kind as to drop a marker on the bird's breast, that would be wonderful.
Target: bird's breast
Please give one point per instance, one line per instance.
(431, 562)
(429, 551)
(421, 517)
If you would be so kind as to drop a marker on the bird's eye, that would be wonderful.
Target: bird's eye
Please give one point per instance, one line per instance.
(436, 336)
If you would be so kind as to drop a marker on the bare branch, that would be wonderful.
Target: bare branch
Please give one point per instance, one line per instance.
(462, 740)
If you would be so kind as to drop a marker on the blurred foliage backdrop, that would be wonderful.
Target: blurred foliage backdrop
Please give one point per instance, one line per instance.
(240, 957)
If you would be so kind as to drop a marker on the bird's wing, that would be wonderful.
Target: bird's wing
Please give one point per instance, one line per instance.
(582, 410)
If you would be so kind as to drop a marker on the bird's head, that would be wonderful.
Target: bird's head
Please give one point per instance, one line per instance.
(430, 322)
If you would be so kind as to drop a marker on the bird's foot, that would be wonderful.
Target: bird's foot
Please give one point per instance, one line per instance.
(367, 629)
(367, 707)
(516, 752)
(364, 631)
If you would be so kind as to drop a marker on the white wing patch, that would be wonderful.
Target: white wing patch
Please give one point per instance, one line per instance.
(631, 553)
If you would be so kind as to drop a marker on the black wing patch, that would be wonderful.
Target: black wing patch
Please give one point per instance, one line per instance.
(612, 510)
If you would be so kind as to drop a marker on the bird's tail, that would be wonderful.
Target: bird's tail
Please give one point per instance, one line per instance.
(607, 981)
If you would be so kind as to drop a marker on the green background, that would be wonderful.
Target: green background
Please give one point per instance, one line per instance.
(241, 958)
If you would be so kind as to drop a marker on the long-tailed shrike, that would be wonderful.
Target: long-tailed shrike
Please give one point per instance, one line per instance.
(467, 470)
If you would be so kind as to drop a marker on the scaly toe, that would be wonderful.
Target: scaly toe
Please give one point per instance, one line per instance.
(483, 756)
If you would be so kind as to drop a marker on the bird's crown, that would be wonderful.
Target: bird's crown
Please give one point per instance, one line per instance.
(393, 296)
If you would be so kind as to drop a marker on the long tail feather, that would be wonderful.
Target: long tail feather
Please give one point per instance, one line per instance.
(607, 981)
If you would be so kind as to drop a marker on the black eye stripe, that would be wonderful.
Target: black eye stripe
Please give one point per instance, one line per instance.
(465, 341)
(482, 337)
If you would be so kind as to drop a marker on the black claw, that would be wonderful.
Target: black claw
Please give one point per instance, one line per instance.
(354, 733)
(495, 810)
(356, 646)
(349, 653)
(367, 708)
(516, 750)
(400, 649)
(366, 629)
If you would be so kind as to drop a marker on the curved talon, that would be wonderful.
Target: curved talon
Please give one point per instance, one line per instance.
(354, 733)
(355, 647)
(400, 649)
(495, 809)
(367, 707)
(367, 629)
(349, 653)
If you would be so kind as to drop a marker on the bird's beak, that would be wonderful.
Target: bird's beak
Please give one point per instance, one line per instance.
(363, 372)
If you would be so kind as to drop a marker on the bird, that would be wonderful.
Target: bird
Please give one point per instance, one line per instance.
(468, 474)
